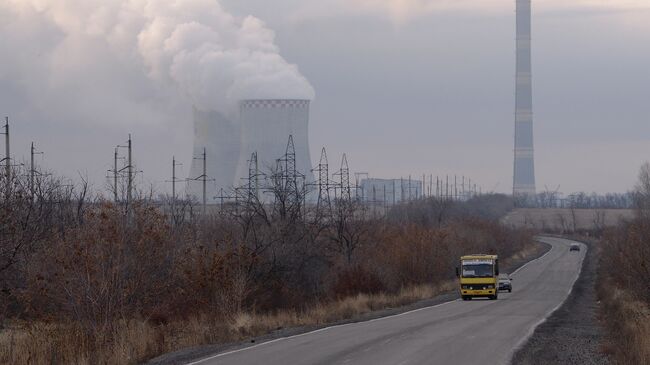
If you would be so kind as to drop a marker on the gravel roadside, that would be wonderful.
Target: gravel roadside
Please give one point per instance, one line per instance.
(192, 354)
(571, 335)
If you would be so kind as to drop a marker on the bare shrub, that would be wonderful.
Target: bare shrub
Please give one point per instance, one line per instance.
(623, 281)
(357, 279)
(103, 271)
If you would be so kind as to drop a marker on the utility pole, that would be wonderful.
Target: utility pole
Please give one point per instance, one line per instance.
(174, 164)
(129, 175)
(409, 187)
(205, 180)
(32, 169)
(173, 204)
(463, 189)
(115, 157)
(129, 191)
(115, 171)
(447, 189)
(7, 159)
(423, 193)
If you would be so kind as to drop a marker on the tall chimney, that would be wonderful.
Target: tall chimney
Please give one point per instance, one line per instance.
(524, 164)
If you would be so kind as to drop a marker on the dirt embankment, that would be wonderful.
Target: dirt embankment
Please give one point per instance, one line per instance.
(571, 335)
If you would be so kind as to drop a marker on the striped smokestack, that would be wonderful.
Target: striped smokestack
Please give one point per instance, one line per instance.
(524, 164)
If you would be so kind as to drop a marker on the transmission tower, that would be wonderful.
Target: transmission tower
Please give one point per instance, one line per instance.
(323, 182)
(253, 179)
(291, 180)
(290, 175)
(344, 179)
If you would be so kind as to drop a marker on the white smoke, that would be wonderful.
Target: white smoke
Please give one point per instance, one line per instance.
(213, 58)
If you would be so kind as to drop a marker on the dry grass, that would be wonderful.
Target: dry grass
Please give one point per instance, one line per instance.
(629, 320)
(135, 341)
(528, 251)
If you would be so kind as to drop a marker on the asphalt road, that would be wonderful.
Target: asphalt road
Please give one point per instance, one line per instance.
(480, 331)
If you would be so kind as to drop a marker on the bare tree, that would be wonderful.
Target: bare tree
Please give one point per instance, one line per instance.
(349, 228)
(599, 220)
(642, 192)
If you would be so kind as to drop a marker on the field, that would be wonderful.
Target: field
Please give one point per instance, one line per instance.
(566, 220)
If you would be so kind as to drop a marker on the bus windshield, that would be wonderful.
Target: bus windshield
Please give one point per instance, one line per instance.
(477, 270)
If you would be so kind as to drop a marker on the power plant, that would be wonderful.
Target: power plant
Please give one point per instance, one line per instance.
(265, 129)
(225, 147)
(219, 138)
(524, 162)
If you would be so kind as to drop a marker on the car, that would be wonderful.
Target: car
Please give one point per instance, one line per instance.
(505, 283)
(574, 248)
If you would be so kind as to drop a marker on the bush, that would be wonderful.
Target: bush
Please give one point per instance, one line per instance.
(624, 281)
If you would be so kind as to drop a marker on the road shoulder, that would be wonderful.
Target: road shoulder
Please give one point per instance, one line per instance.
(572, 334)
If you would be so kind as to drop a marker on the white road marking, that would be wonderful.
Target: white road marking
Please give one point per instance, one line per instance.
(341, 325)
(549, 314)
(315, 331)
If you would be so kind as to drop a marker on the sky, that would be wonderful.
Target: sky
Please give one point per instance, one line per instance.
(403, 87)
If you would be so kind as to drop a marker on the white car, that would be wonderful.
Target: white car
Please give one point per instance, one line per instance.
(505, 283)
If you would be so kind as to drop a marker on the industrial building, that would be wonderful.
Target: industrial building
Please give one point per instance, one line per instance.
(219, 137)
(262, 127)
(265, 128)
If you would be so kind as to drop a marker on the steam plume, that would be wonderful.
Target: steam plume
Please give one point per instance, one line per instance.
(212, 57)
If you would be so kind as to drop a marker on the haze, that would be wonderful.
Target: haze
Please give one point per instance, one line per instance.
(403, 87)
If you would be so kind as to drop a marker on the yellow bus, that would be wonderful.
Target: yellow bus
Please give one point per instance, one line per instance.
(479, 276)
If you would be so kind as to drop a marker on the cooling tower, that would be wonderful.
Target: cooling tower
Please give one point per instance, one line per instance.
(265, 128)
(524, 162)
(220, 137)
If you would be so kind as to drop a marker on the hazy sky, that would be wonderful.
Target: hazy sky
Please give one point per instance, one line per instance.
(402, 86)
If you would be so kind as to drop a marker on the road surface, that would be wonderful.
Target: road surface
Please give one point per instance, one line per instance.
(458, 332)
